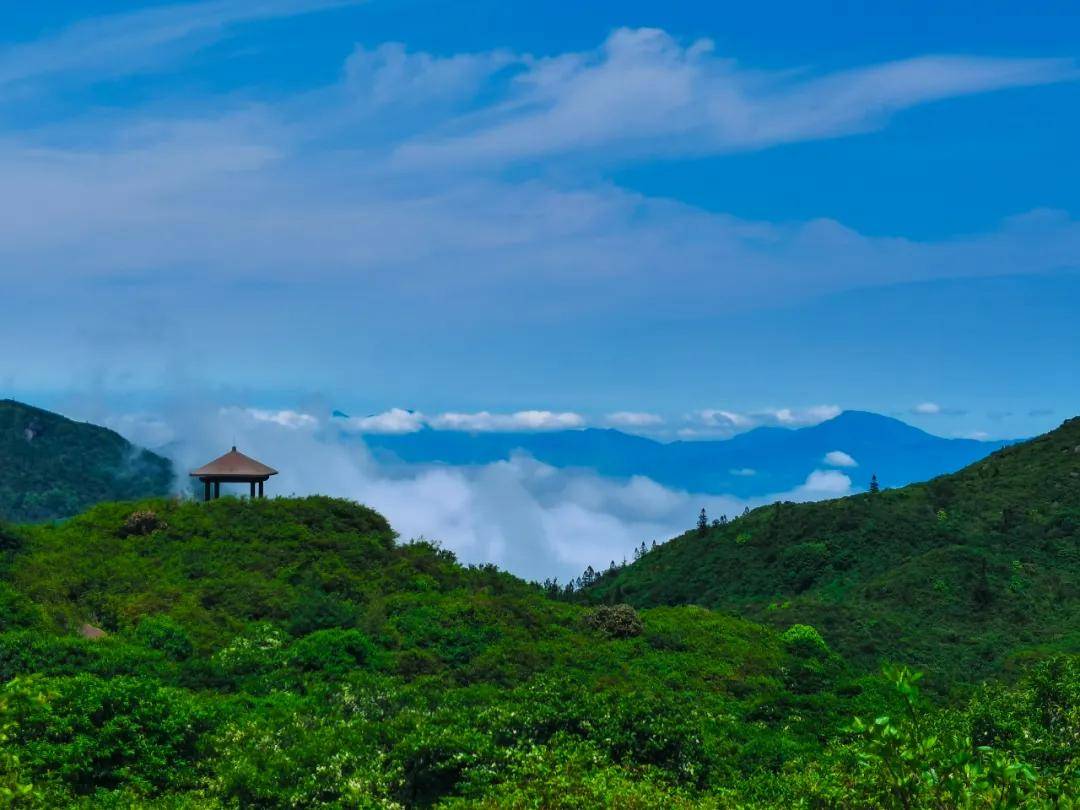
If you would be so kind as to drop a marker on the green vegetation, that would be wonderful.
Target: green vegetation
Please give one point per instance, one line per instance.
(52, 467)
(290, 653)
(966, 576)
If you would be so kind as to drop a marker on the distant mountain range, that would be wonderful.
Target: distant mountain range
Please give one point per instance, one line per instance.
(760, 462)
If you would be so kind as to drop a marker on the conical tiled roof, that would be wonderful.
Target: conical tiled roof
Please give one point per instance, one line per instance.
(236, 464)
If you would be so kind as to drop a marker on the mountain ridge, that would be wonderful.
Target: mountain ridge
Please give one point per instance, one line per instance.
(945, 574)
(54, 467)
(780, 458)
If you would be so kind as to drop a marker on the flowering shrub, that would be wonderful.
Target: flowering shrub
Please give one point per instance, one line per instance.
(142, 523)
(614, 621)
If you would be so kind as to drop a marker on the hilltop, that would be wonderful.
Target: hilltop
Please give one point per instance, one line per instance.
(762, 461)
(289, 652)
(963, 575)
(53, 467)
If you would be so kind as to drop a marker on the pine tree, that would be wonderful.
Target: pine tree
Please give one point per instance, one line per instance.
(702, 522)
(874, 486)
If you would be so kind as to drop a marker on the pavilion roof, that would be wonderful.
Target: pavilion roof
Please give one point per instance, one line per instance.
(234, 463)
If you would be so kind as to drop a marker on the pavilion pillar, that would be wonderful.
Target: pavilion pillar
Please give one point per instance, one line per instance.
(252, 490)
(217, 489)
(206, 489)
(260, 489)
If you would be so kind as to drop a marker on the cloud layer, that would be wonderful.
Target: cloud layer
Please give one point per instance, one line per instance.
(521, 514)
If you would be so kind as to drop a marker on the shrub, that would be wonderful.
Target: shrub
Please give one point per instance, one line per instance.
(332, 651)
(111, 733)
(141, 523)
(16, 610)
(614, 621)
(804, 641)
(165, 635)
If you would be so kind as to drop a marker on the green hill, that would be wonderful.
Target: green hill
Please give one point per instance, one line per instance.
(290, 653)
(52, 467)
(962, 575)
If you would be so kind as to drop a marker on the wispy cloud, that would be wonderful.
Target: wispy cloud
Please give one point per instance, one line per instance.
(393, 421)
(934, 409)
(486, 422)
(645, 94)
(126, 44)
(711, 422)
(634, 419)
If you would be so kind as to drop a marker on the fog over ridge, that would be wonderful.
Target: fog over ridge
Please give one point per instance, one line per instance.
(530, 518)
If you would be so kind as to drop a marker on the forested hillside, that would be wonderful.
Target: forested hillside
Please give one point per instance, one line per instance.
(290, 653)
(964, 575)
(52, 467)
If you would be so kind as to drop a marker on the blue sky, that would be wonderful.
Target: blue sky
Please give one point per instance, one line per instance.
(694, 216)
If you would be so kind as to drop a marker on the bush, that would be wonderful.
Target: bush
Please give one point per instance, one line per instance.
(332, 651)
(17, 611)
(108, 733)
(804, 641)
(614, 621)
(165, 635)
(810, 663)
(142, 523)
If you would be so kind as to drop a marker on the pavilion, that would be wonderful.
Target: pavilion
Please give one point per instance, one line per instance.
(232, 468)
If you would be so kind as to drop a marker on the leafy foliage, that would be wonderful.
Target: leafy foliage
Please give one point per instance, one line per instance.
(290, 653)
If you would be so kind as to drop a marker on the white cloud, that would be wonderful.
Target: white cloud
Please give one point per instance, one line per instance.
(395, 420)
(486, 422)
(819, 485)
(743, 472)
(294, 420)
(643, 93)
(806, 416)
(633, 419)
(927, 408)
(721, 420)
(838, 458)
(715, 422)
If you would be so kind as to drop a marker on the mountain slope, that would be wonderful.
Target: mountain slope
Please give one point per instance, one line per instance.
(52, 467)
(288, 653)
(762, 461)
(960, 574)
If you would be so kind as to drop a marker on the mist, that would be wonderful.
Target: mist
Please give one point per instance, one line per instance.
(527, 517)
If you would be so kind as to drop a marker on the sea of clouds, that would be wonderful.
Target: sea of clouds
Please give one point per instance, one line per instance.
(525, 516)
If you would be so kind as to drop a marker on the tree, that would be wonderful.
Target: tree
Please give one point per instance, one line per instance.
(702, 523)
(874, 486)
